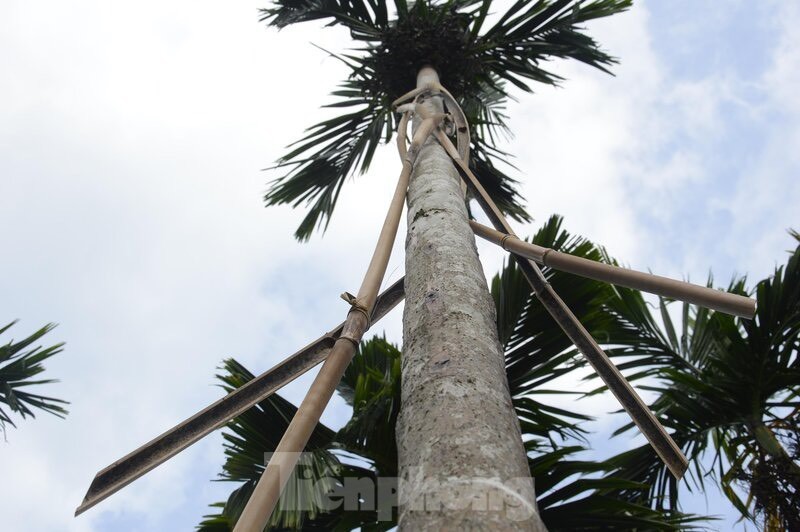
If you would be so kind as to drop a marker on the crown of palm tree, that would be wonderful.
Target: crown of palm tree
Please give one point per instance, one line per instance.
(476, 61)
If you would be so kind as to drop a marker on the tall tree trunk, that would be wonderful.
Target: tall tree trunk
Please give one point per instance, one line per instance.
(461, 458)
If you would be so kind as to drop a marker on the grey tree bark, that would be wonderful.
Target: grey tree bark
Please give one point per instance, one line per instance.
(461, 458)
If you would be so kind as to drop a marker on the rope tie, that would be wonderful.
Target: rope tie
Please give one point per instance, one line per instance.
(357, 306)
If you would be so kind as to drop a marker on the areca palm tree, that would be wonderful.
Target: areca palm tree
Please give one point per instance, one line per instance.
(572, 494)
(456, 416)
(729, 390)
(19, 365)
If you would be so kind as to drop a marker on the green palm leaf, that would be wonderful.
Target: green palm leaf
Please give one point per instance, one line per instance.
(474, 64)
(572, 494)
(726, 388)
(371, 386)
(19, 364)
(247, 439)
(306, 499)
(537, 351)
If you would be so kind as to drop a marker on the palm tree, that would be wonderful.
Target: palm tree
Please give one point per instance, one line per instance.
(19, 364)
(729, 389)
(571, 496)
(456, 417)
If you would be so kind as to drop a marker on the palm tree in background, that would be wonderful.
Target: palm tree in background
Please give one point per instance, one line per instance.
(456, 421)
(572, 493)
(19, 365)
(729, 391)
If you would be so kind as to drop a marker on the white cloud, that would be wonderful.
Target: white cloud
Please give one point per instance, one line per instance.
(766, 196)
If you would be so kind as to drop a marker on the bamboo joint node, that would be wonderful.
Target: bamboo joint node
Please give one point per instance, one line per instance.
(503, 240)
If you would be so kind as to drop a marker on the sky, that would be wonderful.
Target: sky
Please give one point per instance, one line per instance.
(132, 147)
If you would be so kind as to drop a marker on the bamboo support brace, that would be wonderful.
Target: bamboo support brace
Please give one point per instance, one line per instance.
(160, 449)
(268, 490)
(402, 127)
(659, 439)
(265, 496)
(432, 86)
(735, 304)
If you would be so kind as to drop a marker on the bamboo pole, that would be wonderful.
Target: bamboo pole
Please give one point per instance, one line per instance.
(160, 449)
(431, 85)
(262, 502)
(735, 304)
(659, 439)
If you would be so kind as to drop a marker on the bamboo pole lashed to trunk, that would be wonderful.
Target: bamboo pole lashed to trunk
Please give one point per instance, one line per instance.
(728, 303)
(265, 496)
(160, 449)
(659, 439)
(431, 85)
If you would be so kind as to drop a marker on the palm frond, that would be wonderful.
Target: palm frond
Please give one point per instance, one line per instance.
(371, 386)
(330, 152)
(306, 502)
(720, 385)
(19, 364)
(536, 349)
(500, 186)
(532, 32)
(473, 65)
(354, 14)
(248, 440)
(571, 497)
